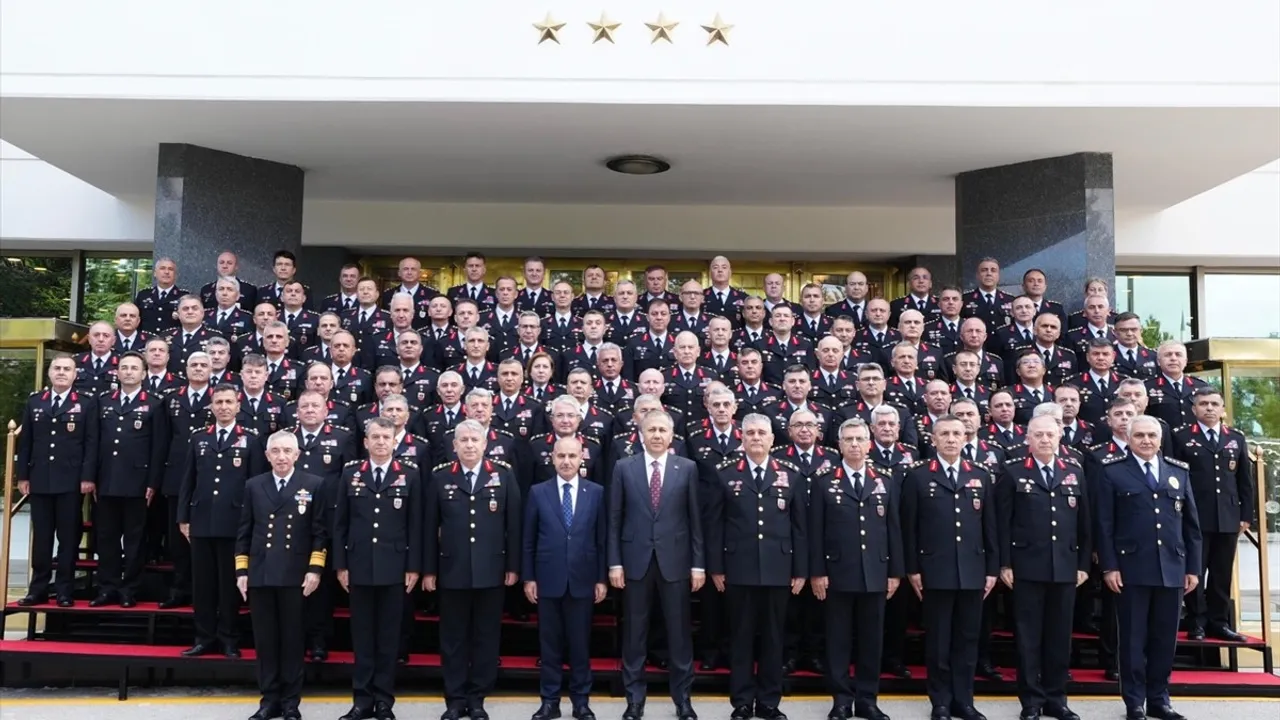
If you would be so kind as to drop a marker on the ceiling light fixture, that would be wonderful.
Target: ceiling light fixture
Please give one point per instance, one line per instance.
(637, 165)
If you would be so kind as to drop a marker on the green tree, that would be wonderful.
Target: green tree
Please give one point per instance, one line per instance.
(35, 287)
(1152, 334)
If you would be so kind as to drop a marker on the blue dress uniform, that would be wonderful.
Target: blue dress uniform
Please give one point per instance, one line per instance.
(156, 308)
(1223, 484)
(730, 307)
(483, 296)
(1045, 531)
(375, 323)
(231, 325)
(696, 324)
(813, 329)
(219, 463)
(303, 328)
(182, 344)
(645, 351)
(1170, 401)
(779, 355)
(185, 415)
(601, 303)
(684, 390)
(1094, 399)
(472, 540)
(538, 301)
(132, 447)
(57, 450)
(271, 293)
(421, 296)
(1009, 438)
(995, 313)
(248, 295)
(1139, 362)
(325, 453)
(954, 568)
(855, 541)
(338, 303)
(833, 390)
(563, 332)
(927, 307)
(1149, 531)
(355, 386)
(757, 540)
(285, 379)
(282, 535)
(95, 376)
(377, 539)
(707, 450)
(803, 637)
(137, 343)
(265, 414)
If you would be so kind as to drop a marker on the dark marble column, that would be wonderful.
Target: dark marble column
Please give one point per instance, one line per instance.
(209, 202)
(944, 269)
(1056, 214)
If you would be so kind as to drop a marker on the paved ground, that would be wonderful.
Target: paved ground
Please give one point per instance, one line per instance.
(216, 705)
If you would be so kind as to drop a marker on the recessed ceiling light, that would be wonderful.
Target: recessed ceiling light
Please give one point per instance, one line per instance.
(637, 165)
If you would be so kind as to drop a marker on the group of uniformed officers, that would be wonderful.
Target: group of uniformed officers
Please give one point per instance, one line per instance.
(838, 471)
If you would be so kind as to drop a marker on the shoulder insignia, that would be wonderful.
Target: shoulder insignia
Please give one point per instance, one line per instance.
(1112, 460)
(1013, 461)
(250, 430)
(788, 464)
(408, 463)
(619, 436)
(1097, 446)
(35, 393)
(441, 466)
(202, 428)
(500, 463)
(500, 431)
(726, 464)
(352, 463)
(825, 471)
(917, 464)
(1177, 463)
(1072, 460)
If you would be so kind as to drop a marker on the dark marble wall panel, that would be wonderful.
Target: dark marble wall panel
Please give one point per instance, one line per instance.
(209, 201)
(944, 269)
(319, 268)
(1055, 214)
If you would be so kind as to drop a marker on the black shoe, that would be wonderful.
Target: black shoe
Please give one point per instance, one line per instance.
(31, 600)
(175, 601)
(359, 713)
(382, 711)
(402, 659)
(128, 601)
(477, 712)
(1089, 628)
(742, 712)
(968, 713)
(66, 601)
(198, 649)
(584, 712)
(104, 599)
(1227, 634)
(1195, 633)
(816, 665)
(940, 712)
(448, 714)
(1164, 712)
(769, 712)
(547, 711)
(840, 712)
(1029, 713)
(987, 671)
(657, 662)
(1061, 713)
(709, 662)
(684, 711)
(292, 714)
(789, 666)
(269, 712)
(634, 711)
(870, 712)
(1135, 714)
(1111, 675)
(231, 652)
(898, 670)
(319, 654)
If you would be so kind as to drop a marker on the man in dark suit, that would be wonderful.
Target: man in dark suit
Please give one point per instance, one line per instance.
(564, 575)
(59, 424)
(655, 543)
(274, 577)
(1045, 548)
(228, 264)
(1149, 548)
(1222, 480)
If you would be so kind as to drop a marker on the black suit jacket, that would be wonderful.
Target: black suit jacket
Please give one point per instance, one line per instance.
(638, 533)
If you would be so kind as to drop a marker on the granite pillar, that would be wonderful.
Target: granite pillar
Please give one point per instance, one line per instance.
(944, 269)
(209, 202)
(1056, 214)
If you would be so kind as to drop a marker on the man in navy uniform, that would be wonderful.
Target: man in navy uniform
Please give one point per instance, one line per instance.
(348, 296)
(410, 274)
(247, 294)
(920, 297)
(220, 460)
(377, 553)
(565, 525)
(1034, 286)
(1149, 548)
(128, 336)
(96, 369)
(988, 302)
(275, 574)
(1223, 485)
(1169, 393)
(56, 464)
(157, 304)
(1133, 359)
(284, 265)
(854, 303)
(134, 432)
(474, 288)
(1045, 548)
(757, 555)
(951, 573)
(190, 335)
(226, 313)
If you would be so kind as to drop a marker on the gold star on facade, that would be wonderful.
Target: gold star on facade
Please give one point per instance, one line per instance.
(603, 28)
(717, 31)
(548, 29)
(662, 28)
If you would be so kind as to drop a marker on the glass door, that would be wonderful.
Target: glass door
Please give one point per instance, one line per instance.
(884, 281)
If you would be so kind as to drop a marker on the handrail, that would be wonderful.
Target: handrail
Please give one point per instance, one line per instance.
(10, 450)
(1258, 536)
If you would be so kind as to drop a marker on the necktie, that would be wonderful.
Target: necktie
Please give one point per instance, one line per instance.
(857, 315)
(951, 328)
(591, 355)
(280, 483)
(564, 324)
(887, 455)
(1068, 435)
(751, 393)
(539, 393)
(364, 317)
(804, 459)
(591, 302)
(1133, 359)
(1048, 476)
(624, 321)
(721, 296)
(186, 338)
(879, 338)
(1035, 394)
(253, 405)
(1007, 435)
(448, 417)
(608, 388)
(813, 326)
(857, 483)
(951, 477)
(506, 405)
(1151, 477)
(1026, 335)
(1102, 385)
(759, 478)
(349, 304)
(566, 505)
(292, 319)
(688, 377)
(97, 365)
(831, 378)
(967, 452)
(125, 399)
(655, 485)
(527, 354)
(475, 374)
(222, 318)
(1048, 359)
(439, 333)
(920, 305)
(377, 478)
(308, 440)
(475, 294)
(724, 443)
(162, 295)
(406, 373)
(1213, 438)
(990, 300)
(755, 336)
(271, 369)
(195, 399)
(222, 438)
(968, 392)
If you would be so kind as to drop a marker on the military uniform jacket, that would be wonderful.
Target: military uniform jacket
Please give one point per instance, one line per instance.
(541, 450)
(821, 459)
(1061, 367)
(421, 296)
(762, 397)
(303, 327)
(622, 327)
(213, 485)
(978, 393)
(376, 322)
(1221, 476)
(267, 418)
(1093, 401)
(899, 454)
(355, 385)
(855, 311)
(484, 295)
(538, 301)
(990, 369)
(248, 296)
(414, 449)
(285, 379)
(832, 394)
(949, 533)
(877, 343)
(1025, 400)
(730, 309)
(377, 530)
(58, 450)
(781, 414)
(813, 329)
(133, 442)
(184, 418)
(525, 420)
(756, 535)
(1172, 404)
(325, 456)
(1045, 527)
(1151, 536)
(778, 355)
(180, 348)
(156, 313)
(472, 535)
(905, 392)
(645, 351)
(137, 343)
(271, 293)
(855, 538)
(499, 445)
(236, 323)
(1077, 320)
(93, 381)
(1143, 365)
(930, 364)
(930, 309)
(696, 324)
(219, 377)
(1008, 439)
(563, 337)
(621, 397)
(906, 423)
(1008, 342)
(1078, 340)
(995, 314)
(283, 534)
(944, 335)
(162, 384)
(600, 303)
(486, 376)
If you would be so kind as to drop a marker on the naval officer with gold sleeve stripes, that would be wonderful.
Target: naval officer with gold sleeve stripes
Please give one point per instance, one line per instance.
(280, 554)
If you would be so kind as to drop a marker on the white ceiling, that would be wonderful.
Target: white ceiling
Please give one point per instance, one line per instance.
(553, 153)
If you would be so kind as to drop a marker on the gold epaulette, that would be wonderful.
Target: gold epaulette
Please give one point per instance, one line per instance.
(201, 429)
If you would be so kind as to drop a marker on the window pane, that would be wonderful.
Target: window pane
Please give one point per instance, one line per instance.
(111, 281)
(1242, 305)
(35, 287)
(1162, 301)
